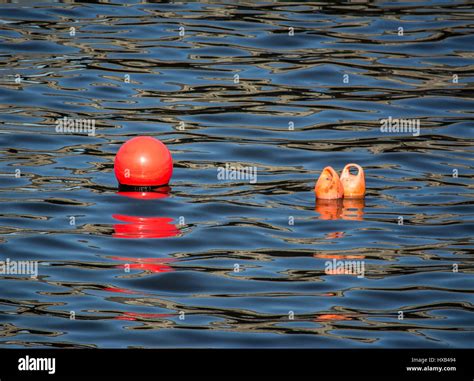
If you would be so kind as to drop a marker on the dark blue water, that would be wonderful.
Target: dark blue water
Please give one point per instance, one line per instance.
(232, 263)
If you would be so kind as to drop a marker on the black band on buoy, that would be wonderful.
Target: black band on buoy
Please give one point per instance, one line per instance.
(147, 188)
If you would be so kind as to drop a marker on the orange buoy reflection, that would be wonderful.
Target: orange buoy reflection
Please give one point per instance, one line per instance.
(353, 209)
(332, 317)
(334, 235)
(341, 269)
(345, 209)
(329, 209)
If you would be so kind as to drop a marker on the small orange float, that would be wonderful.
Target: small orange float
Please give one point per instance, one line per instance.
(329, 186)
(353, 185)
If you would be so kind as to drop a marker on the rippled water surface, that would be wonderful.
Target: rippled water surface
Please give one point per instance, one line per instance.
(233, 263)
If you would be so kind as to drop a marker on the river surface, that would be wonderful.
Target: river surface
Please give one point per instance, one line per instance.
(288, 88)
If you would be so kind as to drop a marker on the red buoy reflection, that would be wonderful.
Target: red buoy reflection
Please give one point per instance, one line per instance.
(152, 265)
(144, 227)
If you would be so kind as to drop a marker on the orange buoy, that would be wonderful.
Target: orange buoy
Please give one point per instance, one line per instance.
(329, 186)
(143, 161)
(354, 185)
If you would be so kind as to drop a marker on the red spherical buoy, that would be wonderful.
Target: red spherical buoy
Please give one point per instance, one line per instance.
(143, 161)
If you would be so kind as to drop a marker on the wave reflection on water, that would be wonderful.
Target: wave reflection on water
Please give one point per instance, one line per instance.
(231, 263)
